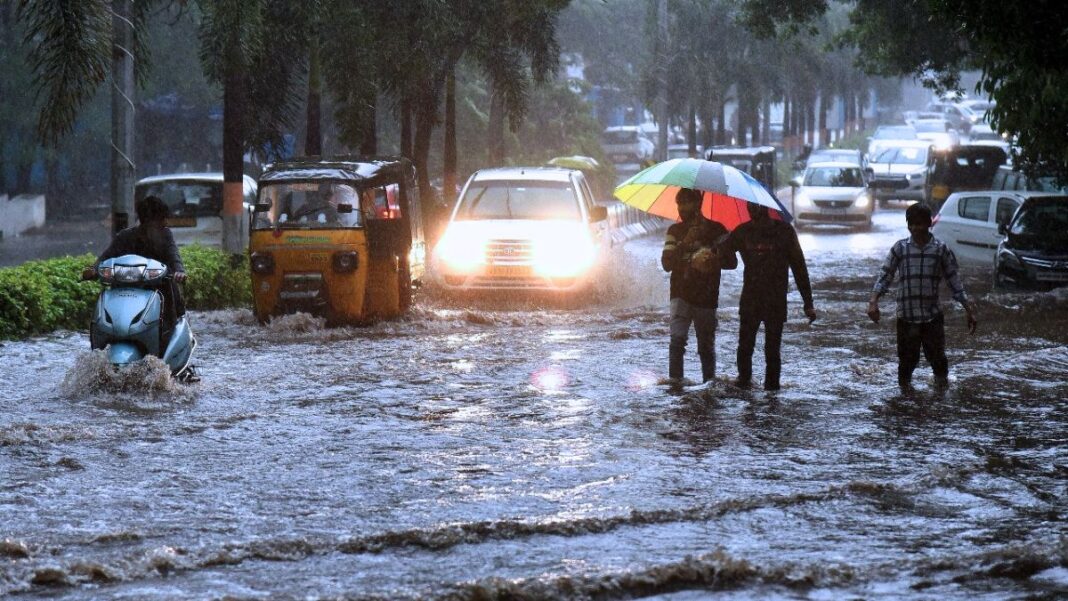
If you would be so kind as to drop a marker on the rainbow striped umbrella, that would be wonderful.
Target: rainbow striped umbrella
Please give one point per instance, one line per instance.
(726, 191)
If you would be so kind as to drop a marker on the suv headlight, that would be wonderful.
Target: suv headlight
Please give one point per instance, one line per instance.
(801, 199)
(1007, 258)
(566, 254)
(461, 251)
(862, 201)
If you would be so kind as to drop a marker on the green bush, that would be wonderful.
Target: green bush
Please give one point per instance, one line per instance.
(41, 296)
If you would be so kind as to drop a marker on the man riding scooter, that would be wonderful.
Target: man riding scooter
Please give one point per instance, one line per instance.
(151, 239)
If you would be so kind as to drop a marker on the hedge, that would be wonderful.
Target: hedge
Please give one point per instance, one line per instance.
(41, 296)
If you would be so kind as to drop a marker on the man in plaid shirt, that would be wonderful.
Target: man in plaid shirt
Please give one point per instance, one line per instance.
(922, 262)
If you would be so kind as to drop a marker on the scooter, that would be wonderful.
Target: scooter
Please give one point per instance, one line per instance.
(128, 320)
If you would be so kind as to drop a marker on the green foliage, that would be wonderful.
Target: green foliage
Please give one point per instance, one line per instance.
(41, 296)
(215, 280)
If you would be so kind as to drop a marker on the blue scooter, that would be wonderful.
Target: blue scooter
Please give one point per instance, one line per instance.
(128, 321)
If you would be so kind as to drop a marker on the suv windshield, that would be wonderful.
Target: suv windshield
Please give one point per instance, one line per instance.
(907, 156)
(619, 137)
(902, 132)
(502, 199)
(835, 177)
(931, 126)
(1046, 217)
(186, 198)
(308, 205)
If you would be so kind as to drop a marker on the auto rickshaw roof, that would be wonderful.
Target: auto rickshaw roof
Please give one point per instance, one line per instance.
(362, 170)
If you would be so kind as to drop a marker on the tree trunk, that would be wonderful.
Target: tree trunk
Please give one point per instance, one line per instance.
(495, 131)
(369, 144)
(691, 134)
(424, 129)
(449, 153)
(721, 122)
(406, 128)
(708, 116)
(786, 125)
(810, 121)
(234, 109)
(662, 61)
(313, 139)
(765, 130)
(824, 134)
(122, 114)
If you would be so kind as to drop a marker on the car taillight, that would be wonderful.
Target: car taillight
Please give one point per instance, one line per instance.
(262, 263)
(345, 261)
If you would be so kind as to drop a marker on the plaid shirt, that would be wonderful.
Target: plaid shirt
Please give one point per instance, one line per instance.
(922, 269)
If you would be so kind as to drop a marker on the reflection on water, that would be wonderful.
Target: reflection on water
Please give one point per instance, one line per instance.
(532, 450)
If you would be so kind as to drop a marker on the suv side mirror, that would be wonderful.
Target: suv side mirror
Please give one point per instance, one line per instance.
(598, 214)
(1003, 229)
(795, 182)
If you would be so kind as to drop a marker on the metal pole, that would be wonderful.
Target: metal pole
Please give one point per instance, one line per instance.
(122, 115)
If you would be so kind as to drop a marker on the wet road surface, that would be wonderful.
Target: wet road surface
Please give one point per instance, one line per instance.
(477, 451)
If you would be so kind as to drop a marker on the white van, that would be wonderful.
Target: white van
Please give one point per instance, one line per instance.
(523, 228)
(196, 202)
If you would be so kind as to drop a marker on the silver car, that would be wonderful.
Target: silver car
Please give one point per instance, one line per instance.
(832, 193)
(900, 171)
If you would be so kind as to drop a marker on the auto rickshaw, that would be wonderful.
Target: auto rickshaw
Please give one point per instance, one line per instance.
(960, 169)
(340, 238)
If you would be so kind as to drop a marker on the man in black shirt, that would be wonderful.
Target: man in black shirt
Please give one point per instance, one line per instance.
(768, 247)
(152, 239)
(690, 254)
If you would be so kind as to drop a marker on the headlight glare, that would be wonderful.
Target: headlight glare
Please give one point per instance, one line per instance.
(567, 254)
(461, 253)
(862, 201)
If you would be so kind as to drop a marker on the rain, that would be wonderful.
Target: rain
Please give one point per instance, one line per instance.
(426, 352)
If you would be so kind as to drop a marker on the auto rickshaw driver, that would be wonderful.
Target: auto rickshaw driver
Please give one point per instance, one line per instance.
(319, 206)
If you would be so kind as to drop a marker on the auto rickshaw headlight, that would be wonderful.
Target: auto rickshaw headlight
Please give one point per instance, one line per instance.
(345, 261)
(262, 263)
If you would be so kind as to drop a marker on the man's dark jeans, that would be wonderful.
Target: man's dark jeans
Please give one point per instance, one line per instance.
(704, 323)
(747, 332)
(931, 336)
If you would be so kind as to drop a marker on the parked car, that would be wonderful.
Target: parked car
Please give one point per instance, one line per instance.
(682, 151)
(938, 132)
(196, 203)
(832, 193)
(969, 222)
(961, 168)
(532, 229)
(900, 171)
(627, 144)
(1008, 179)
(884, 136)
(1034, 253)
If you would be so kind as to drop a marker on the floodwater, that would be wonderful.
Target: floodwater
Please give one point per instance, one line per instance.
(475, 451)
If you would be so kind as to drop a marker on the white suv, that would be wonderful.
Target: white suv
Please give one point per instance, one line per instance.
(522, 228)
(624, 144)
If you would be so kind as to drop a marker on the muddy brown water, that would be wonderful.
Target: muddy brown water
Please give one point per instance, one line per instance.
(518, 450)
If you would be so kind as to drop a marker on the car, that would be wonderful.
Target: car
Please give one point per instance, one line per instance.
(682, 151)
(757, 161)
(840, 155)
(626, 144)
(832, 193)
(196, 203)
(900, 171)
(937, 131)
(1034, 253)
(885, 134)
(1007, 178)
(960, 117)
(523, 229)
(968, 223)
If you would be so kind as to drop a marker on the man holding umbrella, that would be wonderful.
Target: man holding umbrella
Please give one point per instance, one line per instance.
(690, 254)
(768, 247)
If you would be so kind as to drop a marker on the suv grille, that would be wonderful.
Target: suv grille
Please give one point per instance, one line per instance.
(509, 252)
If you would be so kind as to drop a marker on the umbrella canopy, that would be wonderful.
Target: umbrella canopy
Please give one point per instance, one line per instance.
(725, 191)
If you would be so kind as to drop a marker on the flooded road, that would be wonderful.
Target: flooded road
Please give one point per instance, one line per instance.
(480, 452)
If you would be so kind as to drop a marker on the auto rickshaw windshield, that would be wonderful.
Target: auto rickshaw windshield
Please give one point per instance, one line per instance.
(309, 205)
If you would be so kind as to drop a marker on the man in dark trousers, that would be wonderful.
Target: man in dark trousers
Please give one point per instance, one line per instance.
(691, 255)
(152, 239)
(922, 262)
(768, 247)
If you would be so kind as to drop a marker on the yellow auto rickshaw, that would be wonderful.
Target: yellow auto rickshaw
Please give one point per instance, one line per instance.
(340, 238)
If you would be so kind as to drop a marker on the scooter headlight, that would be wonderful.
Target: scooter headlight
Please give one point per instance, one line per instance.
(129, 274)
